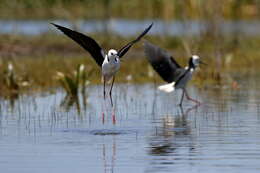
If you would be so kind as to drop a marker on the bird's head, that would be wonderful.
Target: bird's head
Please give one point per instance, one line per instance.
(112, 55)
(195, 61)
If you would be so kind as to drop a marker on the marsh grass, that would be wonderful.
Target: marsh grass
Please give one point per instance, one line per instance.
(37, 59)
(164, 9)
(75, 82)
(74, 85)
(10, 78)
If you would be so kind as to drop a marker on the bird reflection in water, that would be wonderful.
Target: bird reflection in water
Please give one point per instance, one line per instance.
(172, 134)
(109, 159)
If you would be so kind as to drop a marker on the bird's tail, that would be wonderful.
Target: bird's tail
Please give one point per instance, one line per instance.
(168, 87)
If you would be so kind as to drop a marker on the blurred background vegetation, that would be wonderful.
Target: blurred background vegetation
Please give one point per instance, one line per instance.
(37, 58)
(134, 9)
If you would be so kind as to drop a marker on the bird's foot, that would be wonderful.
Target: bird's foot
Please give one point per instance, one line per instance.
(195, 101)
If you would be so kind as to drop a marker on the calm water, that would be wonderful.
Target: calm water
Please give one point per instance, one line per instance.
(118, 26)
(151, 134)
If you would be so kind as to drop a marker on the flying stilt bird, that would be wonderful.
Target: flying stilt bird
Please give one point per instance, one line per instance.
(171, 72)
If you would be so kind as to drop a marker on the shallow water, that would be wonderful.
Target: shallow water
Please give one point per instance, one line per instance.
(118, 26)
(151, 133)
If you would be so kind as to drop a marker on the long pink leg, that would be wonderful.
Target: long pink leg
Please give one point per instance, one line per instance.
(189, 98)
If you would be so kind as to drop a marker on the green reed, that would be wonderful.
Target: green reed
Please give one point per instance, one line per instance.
(73, 83)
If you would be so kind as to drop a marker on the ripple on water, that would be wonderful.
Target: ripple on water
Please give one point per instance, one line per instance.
(101, 132)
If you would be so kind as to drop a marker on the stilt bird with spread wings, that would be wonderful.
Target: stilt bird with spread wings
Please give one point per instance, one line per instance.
(110, 62)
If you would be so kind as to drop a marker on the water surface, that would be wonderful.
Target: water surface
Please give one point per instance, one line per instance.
(41, 133)
(126, 27)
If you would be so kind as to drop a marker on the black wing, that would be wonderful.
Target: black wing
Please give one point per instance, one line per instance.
(163, 63)
(124, 49)
(86, 42)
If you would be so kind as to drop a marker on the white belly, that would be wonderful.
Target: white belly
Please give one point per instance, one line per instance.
(109, 69)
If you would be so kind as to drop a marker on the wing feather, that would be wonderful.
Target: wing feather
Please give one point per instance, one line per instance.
(124, 49)
(86, 42)
(163, 63)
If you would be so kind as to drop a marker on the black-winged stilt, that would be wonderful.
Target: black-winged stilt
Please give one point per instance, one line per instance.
(110, 62)
(170, 71)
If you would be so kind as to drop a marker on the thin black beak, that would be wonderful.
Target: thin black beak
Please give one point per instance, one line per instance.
(203, 63)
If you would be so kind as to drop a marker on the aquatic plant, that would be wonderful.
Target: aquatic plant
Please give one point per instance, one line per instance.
(10, 79)
(73, 83)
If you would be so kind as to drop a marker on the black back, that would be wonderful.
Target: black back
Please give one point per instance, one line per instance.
(124, 49)
(86, 42)
(163, 63)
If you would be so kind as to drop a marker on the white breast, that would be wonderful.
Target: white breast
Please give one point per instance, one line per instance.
(109, 68)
